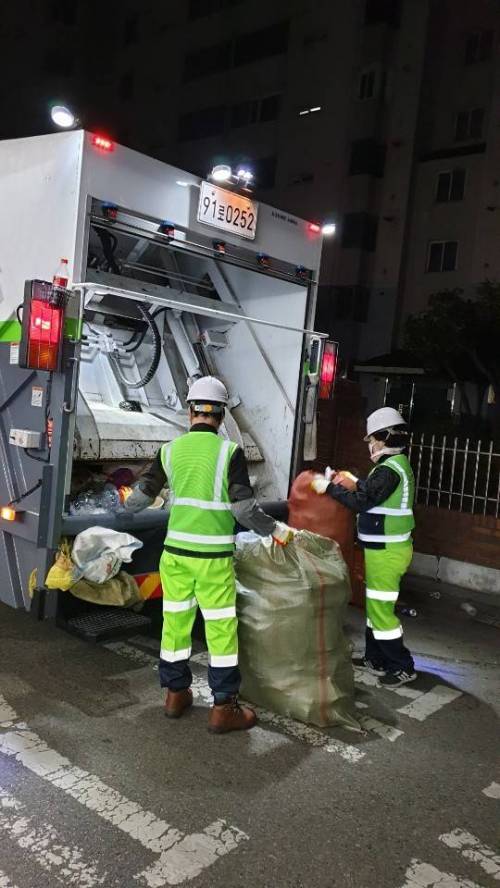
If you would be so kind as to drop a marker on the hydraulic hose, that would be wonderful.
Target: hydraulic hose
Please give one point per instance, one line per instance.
(156, 356)
(140, 340)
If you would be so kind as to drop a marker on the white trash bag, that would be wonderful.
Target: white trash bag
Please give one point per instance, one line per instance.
(99, 552)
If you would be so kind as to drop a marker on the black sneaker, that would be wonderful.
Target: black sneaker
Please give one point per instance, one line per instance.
(394, 679)
(367, 666)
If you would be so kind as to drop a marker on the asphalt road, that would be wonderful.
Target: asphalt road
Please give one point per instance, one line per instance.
(98, 788)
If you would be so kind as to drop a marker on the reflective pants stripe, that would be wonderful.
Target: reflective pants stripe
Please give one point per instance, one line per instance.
(174, 656)
(173, 607)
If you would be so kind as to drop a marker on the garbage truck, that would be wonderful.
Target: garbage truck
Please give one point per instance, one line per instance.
(123, 279)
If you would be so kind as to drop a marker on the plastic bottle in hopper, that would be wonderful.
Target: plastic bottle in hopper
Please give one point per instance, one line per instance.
(61, 276)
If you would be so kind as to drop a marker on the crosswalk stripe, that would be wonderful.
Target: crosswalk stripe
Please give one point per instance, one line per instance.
(32, 752)
(5, 881)
(203, 695)
(43, 844)
(424, 875)
(473, 849)
(430, 702)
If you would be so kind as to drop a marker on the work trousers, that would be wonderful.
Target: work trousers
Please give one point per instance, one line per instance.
(189, 582)
(384, 569)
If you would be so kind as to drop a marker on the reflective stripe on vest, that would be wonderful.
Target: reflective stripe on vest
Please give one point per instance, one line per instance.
(396, 523)
(383, 538)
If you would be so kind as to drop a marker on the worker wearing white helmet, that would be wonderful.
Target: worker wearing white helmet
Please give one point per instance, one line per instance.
(210, 489)
(384, 502)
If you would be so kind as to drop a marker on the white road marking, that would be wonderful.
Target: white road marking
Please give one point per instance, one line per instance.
(371, 681)
(387, 732)
(430, 702)
(492, 791)
(5, 881)
(192, 855)
(7, 715)
(299, 731)
(43, 845)
(158, 836)
(472, 849)
(423, 875)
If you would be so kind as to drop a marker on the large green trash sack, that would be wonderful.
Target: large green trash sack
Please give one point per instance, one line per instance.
(294, 657)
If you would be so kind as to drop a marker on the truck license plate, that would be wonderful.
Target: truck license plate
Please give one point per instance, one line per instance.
(227, 210)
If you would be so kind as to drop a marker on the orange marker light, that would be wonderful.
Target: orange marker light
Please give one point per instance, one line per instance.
(7, 513)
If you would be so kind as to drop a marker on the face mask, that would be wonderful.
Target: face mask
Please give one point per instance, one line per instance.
(375, 454)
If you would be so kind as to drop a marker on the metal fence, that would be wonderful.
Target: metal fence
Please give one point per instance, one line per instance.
(463, 476)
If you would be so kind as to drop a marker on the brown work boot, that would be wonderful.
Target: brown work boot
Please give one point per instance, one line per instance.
(177, 702)
(230, 716)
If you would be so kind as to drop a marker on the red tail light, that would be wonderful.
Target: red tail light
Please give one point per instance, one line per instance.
(328, 369)
(314, 227)
(43, 321)
(102, 143)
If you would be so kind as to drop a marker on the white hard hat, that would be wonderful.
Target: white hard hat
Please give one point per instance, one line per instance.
(208, 389)
(385, 418)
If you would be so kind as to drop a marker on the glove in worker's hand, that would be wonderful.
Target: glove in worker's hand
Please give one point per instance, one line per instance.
(346, 480)
(283, 534)
(320, 484)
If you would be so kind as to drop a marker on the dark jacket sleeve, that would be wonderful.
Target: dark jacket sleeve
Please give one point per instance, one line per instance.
(153, 479)
(369, 493)
(245, 508)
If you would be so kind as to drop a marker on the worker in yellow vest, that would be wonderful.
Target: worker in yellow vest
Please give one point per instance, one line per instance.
(210, 489)
(384, 502)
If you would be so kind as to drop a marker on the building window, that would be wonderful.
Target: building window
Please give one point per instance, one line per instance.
(64, 12)
(359, 231)
(383, 12)
(242, 50)
(442, 256)
(469, 125)
(131, 31)
(367, 158)
(206, 61)
(202, 8)
(260, 44)
(479, 47)
(265, 171)
(367, 84)
(270, 108)
(202, 124)
(450, 186)
(305, 177)
(255, 111)
(244, 113)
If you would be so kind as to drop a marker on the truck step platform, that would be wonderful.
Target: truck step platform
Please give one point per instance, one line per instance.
(108, 622)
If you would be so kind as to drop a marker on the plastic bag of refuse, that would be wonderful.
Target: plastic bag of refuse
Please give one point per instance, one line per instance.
(99, 552)
(294, 657)
(63, 573)
(119, 591)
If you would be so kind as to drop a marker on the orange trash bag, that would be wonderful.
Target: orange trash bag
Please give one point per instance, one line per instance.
(321, 514)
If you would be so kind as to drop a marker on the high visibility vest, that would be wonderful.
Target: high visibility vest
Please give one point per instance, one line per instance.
(197, 469)
(392, 521)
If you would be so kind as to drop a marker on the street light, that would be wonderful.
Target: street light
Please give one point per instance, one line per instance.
(62, 116)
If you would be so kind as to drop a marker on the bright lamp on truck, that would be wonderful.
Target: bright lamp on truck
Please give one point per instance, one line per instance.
(328, 370)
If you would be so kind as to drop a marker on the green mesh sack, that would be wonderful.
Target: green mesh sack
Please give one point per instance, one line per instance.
(294, 657)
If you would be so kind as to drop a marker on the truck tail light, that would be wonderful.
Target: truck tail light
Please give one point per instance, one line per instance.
(7, 513)
(102, 142)
(43, 321)
(328, 370)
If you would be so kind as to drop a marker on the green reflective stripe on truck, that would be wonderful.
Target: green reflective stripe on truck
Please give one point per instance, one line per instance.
(10, 331)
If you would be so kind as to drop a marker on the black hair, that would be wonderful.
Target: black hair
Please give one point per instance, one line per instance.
(393, 437)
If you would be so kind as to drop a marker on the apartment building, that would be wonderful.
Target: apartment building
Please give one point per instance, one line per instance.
(381, 115)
